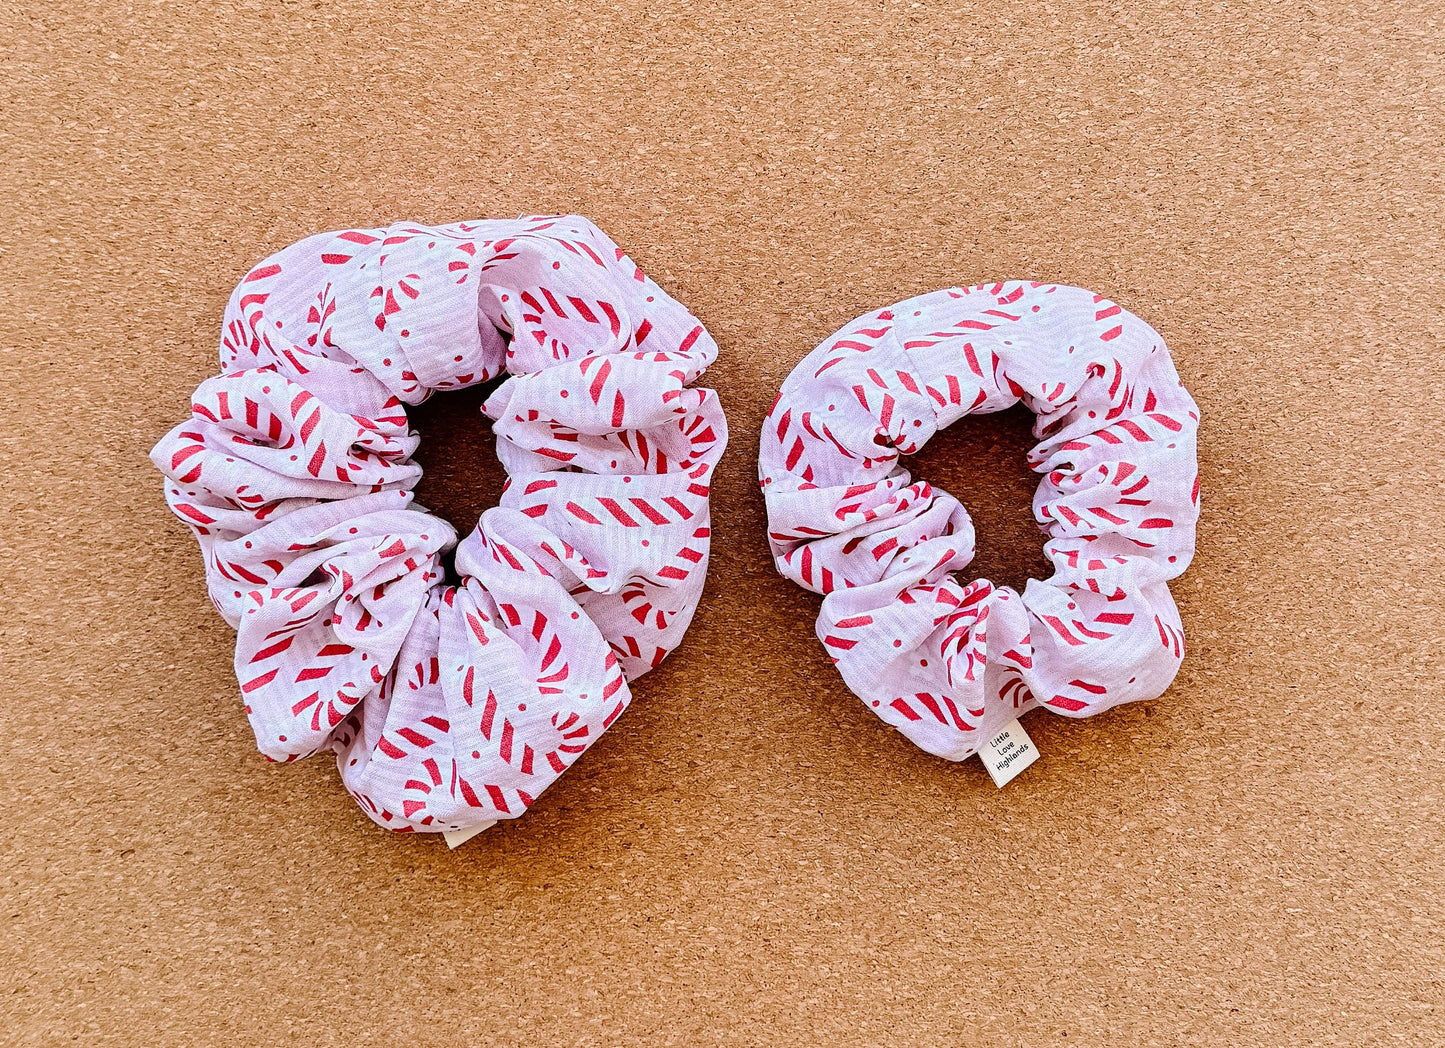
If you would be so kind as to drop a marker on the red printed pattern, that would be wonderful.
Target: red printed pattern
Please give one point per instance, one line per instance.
(948, 663)
(449, 706)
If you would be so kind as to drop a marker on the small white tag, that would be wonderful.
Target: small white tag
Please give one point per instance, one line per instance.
(456, 838)
(1009, 752)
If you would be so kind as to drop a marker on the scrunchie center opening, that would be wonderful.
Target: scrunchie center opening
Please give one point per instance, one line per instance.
(981, 460)
(461, 474)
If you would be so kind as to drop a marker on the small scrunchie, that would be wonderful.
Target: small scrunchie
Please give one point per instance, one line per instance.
(948, 664)
(449, 704)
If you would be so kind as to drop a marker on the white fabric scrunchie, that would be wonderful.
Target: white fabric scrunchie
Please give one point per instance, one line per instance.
(449, 706)
(949, 664)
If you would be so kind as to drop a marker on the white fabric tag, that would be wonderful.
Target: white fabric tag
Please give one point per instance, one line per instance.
(1008, 753)
(456, 838)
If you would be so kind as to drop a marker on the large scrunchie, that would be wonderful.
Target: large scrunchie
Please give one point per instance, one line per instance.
(949, 664)
(449, 704)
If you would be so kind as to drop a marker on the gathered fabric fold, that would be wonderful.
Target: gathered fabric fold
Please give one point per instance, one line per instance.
(450, 700)
(948, 663)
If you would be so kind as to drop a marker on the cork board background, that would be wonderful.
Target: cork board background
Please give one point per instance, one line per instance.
(749, 857)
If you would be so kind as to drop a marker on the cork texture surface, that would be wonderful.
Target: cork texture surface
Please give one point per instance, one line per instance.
(749, 856)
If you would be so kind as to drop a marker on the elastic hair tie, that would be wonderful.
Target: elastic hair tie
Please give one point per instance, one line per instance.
(948, 664)
(449, 704)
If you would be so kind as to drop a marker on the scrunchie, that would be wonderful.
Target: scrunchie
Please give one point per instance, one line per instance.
(449, 703)
(949, 664)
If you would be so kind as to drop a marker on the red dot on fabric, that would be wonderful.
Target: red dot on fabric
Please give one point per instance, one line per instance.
(248, 544)
(574, 614)
(457, 358)
(1173, 559)
(281, 737)
(645, 542)
(875, 702)
(476, 753)
(522, 707)
(556, 265)
(505, 297)
(238, 593)
(1036, 309)
(923, 662)
(898, 644)
(564, 393)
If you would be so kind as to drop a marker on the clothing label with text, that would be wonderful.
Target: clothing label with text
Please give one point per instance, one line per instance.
(1008, 752)
(456, 838)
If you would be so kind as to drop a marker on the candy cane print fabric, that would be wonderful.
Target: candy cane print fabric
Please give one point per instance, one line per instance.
(949, 662)
(454, 695)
